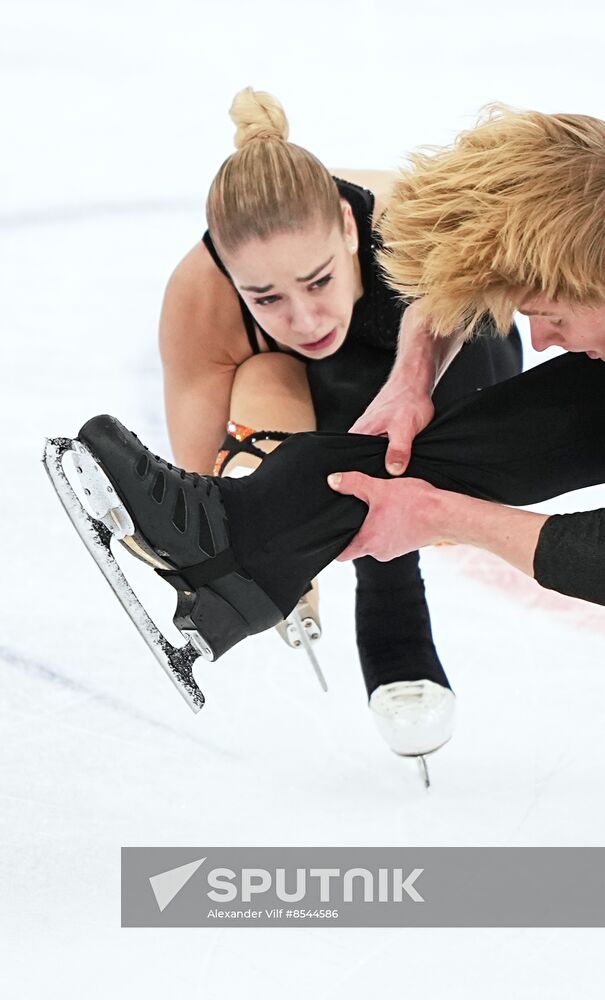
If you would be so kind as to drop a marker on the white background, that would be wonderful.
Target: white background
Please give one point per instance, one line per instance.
(115, 120)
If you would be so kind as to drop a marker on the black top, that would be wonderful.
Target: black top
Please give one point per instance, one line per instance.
(377, 314)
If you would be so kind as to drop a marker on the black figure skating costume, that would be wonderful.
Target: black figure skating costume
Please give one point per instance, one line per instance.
(392, 618)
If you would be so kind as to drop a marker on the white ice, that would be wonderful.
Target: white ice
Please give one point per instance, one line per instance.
(114, 123)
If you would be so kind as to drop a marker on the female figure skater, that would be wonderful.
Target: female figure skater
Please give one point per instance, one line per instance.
(280, 321)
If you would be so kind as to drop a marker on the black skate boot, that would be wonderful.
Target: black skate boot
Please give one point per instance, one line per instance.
(239, 552)
(186, 537)
(121, 487)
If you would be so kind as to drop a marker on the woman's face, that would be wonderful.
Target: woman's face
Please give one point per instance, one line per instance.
(301, 286)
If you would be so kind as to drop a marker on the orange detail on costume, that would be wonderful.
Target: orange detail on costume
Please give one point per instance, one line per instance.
(238, 431)
(220, 458)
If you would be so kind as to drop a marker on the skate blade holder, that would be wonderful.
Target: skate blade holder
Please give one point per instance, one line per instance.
(94, 490)
(297, 628)
(198, 643)
(310, 626)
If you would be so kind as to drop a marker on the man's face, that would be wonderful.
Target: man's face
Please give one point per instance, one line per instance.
(580, 329)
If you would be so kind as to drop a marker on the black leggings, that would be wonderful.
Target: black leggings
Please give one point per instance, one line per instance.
(392, 619)
(533, 437)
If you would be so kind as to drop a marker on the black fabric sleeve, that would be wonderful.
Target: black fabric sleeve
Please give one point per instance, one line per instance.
(570, 555)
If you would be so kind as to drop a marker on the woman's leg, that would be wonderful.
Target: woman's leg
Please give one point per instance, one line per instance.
(522, 441)
(485, 360)
(270, 394)
(392, 619)
(393, 624)
(527, 439)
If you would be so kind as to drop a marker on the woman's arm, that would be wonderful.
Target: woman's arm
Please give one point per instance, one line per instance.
(202, 342)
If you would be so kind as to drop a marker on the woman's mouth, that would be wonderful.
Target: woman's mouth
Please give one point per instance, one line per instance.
(318, 345)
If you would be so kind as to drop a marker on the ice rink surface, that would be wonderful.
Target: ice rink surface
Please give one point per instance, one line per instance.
(115, 124)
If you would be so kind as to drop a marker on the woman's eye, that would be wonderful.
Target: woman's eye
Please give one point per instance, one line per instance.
(322, 282)
(267, 301)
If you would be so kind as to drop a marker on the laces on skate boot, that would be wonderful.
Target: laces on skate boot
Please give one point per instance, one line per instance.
(193, 477)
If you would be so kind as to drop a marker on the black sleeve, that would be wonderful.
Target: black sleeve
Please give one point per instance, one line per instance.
(570, 555)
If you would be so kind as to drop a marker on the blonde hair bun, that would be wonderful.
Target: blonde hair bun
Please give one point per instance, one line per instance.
(257, 115)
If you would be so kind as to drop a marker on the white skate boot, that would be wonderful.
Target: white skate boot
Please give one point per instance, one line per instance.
(414, 718)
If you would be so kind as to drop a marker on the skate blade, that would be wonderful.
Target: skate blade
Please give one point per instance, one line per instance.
(96, 530)
(422, 764)
(297, 624)
(424, 771)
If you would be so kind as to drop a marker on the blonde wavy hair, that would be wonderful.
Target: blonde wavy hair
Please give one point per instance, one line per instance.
(269, 185)
(514, 207)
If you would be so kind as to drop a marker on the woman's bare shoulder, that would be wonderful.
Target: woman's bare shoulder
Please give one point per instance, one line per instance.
(201, 318)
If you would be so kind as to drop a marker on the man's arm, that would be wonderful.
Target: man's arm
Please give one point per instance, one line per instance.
(407, 514)
(422, 359)
(403, 407)
(563, 552)
(509, 533)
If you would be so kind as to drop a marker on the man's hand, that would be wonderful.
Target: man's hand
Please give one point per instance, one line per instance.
(400, 413)
(406, 514)
(403, 406)
(400, 517)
